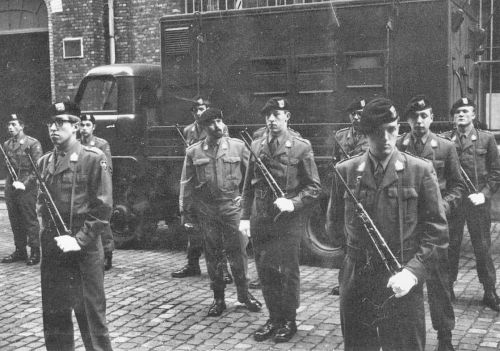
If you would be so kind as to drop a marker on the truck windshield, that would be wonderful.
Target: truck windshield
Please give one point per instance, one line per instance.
(99, 94)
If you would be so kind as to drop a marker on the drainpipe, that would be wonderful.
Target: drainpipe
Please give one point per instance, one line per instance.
(111, 24)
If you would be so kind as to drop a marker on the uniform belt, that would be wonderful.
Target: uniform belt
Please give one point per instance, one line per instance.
(267, 192)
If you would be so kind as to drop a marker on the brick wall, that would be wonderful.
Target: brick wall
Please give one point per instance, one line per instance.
(137, 36)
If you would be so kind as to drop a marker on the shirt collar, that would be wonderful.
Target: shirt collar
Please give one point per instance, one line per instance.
(383, 162)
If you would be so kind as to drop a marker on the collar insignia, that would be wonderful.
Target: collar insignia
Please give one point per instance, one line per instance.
(73, 157)
(399, 166)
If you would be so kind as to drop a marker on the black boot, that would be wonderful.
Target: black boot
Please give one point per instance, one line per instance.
(189, 270)
(34, 256)
(444, 341)
(218, 305)
(19, 255)
(108, 261)
(491, 299)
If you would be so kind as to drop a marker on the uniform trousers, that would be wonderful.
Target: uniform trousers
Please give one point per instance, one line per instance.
(219, 222)
(277, 248)
(21, 207)
(478, 221)
(371, 317)
(73, 282)
(108, 243)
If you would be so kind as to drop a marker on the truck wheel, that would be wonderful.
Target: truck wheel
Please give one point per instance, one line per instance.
(316, 246)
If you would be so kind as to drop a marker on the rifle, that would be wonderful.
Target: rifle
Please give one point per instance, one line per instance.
(471, 188)
(178, 128)
(271, 182)
(55, 216)
(9, 165)
(384, 251)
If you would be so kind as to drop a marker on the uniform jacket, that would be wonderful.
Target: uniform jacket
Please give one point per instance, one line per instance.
(351, 141)
(92, 199)
(101, 144)
(293, 168)
(15, 150)
(444, 158)
(478, 156)
(209, 176)
(425, 230)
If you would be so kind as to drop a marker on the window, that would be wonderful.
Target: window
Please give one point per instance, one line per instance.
(99, 94)
(72, 48)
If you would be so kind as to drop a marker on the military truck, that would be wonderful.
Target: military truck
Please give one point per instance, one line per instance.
(318, 55)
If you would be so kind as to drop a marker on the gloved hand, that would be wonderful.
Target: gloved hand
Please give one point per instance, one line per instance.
(67, 243)
(18, 185)
(284, 204)
(402, 282)
(188, 225)
(245, 227)
(477, 199)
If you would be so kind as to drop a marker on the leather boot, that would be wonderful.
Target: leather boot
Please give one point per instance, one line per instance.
(218, 305)
(444, 341)
(34, 256)
(19, 255)
(108, 261)
(490, 299)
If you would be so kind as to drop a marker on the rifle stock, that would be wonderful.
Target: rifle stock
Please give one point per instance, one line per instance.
(9, 165)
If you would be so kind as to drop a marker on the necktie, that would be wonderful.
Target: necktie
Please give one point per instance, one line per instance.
(273, 145)
(419, 147)
(379, 174)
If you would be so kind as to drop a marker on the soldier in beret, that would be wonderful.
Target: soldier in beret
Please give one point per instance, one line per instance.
(290, 160)
(212, 177)
(350, 141)
(441, 152)
(478, 154)
(87, 138)
(20, 193)
(72, 275)
(400, 192)
(192, 134)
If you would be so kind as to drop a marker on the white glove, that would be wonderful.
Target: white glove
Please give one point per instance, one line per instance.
(402, 282)
(245, 227)
(67, 243)
(18, 185)
(477, 199)
(188, 225)
(284, 204)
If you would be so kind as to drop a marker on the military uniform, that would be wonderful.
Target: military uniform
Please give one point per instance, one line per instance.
(414, 230)
(351, 141)
(210, 190)
(80, 184)
(478, 156)
(108, 242)
(276, 243)
(444, 158)
(21, 204)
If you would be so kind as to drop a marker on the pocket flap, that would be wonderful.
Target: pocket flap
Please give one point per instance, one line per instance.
(232, 159)
(201, 161)
(407, 192)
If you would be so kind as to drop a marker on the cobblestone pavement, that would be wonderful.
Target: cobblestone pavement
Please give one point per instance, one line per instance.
(149, 310)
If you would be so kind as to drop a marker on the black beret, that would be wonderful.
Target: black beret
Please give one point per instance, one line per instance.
(65, 110)
(275, 103)
(460, 103)
(209, 115)
(356, 105)
(377, 112)
(87, 117)
(417, 103)
(199, 101)
(15, 117)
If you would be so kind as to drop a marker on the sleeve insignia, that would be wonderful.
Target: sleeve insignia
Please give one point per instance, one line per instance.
(104, 165)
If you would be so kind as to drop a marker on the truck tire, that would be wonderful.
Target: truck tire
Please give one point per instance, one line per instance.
(316, 247)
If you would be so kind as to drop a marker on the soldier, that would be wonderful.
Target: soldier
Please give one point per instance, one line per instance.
(20, 194)
(441, 152)
(194, 133)
(478, 154)
(210, 192)
(72, 275)
(290, 161)
(350, 140)
(87, 138)
(401, 194)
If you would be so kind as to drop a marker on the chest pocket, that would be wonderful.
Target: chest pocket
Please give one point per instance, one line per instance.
(232, 168)
(201, 166)
(366, 197)
(290, 167)
(410, 202)
(439, 168)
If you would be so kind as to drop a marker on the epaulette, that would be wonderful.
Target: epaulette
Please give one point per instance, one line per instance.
(236, 139)
(351, 158)
(299, 138)
(415, 156)
(484, 131)
(342, 130)
(31, 138)
(100, 139)
(193, 145)
(92, 149)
